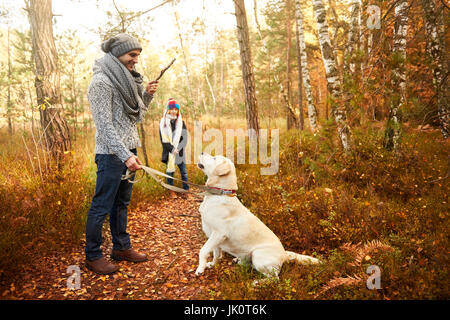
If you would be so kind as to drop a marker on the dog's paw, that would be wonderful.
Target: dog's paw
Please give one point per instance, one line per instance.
(199, 271)
(210, 264)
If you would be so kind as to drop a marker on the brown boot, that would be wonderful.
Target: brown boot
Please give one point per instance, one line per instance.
(128, 255)
(101, 266)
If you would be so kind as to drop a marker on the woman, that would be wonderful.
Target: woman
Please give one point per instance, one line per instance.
(173, 136)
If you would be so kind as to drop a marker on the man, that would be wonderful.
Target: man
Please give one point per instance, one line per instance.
(118, 101)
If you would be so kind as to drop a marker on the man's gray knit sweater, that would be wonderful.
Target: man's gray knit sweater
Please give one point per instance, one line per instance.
(116, 132)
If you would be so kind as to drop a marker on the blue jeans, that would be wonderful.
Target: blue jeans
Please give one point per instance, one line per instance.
(112, 195)
(183, 173)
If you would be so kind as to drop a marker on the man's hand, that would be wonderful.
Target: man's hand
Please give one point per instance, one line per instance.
(133, 163)
(151, 87)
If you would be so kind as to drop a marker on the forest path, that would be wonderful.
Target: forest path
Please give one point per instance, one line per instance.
(168, 231)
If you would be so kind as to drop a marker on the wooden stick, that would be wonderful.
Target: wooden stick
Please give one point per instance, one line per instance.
(165, 69)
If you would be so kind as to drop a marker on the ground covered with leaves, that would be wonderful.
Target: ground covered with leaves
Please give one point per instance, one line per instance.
(168, 231)
(370, 207)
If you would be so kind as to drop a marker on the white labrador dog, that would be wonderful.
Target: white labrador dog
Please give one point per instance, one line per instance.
(232, 228)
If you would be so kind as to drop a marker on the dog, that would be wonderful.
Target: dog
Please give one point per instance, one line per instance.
(232, 228)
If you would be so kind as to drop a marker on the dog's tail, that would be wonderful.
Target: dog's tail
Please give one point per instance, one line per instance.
(300, 258)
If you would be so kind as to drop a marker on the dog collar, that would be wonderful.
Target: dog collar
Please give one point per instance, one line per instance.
(225, 192)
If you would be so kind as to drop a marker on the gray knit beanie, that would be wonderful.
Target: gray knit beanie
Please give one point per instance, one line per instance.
(120, 44)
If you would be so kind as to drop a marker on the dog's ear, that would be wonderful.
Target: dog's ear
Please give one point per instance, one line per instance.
(222, 169)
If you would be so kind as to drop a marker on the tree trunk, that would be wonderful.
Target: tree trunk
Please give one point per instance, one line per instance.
(47, 80)
(186, 64)
(334, 86)
(290, 119)
(303, 69)
(300, 88)
(354, 36)
(290, 110)
(434, 27)
(74, 102)
(398, 77)
(211, 90)
(214, 90)
(247, 66)
(33, 128)
(144, 142)
(221, 84)
(9, 102)
(400, 33)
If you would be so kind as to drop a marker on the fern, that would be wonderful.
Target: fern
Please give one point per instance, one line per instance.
(362, 252)
(355, 279)
(359, 252)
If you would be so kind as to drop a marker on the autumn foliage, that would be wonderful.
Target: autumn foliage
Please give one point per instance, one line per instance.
(374, 204)
(367, 208)
(370, 207)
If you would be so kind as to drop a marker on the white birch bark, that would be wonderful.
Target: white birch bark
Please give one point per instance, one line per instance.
(434, 27)
(332, 75)
(398, 81)
(401, 31)
(290, 119)
(312, 113)
(354, 35)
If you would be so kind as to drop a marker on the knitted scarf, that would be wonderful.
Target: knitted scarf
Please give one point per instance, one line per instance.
(129, 84)
(173, 138)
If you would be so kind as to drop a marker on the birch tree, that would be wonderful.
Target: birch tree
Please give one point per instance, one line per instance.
(246, 66)
(301, 117)
(434, 27)
(291, 118)
(303, 68)
(333, 83)
(47, 82)
(354, 35)
(398, 77)
(9, 104)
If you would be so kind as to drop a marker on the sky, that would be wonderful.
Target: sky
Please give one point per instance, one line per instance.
(85, 15)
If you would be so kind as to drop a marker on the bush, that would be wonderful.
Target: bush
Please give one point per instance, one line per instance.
(44, 208)
(41, 209)
(322, 201)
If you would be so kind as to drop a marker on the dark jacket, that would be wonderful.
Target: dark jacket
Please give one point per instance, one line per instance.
(168, 147)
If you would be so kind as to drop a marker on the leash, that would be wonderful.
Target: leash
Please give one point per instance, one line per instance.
(155, 173)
